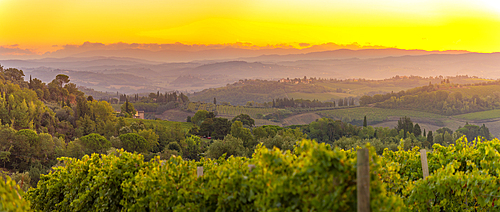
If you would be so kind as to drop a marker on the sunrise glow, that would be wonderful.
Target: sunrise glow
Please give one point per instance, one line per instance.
(430, 25)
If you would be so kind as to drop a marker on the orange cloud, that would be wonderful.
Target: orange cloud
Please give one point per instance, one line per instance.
(15, 50)
(90, 46)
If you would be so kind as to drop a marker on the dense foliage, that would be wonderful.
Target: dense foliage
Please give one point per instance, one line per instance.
(11, 196)
(310, 177)
(464, 176)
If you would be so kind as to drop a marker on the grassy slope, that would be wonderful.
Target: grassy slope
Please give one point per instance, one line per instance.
(483, 115)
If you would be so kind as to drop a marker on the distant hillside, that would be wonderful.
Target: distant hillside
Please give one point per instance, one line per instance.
(349, 53)
(132, 75)
(446, 98)
(243, 91)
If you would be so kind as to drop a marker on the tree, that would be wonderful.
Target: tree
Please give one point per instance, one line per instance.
(221, 127)
(238, 131)
(405, 124)
(447, 137)
(61, 79)
(13, 75)
(133, 142)
(364, 122)
(231, 146)
(245, 119)
(193, 148)
(207, 127)
(150, 137)
(266, 131)
(94, 143)
(128, 109)
(484, 132)
(20, 116)
(215, 101)
(430, 138)
(416, 130)
(199, 117)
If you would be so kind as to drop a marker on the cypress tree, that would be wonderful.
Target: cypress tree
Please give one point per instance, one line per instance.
(365, 124)
(430, 138)
(416, 130)
(126, 106)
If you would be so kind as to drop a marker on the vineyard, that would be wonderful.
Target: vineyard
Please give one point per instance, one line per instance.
(230, 111)
(489, 114)
(312, 177)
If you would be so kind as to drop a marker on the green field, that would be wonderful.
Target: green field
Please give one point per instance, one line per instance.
(483, 90)
(374, 114)
(483, 115)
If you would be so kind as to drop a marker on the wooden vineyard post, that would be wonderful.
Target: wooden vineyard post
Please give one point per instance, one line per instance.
(199, 171)
(363, 180)
(251, 167)
(425, 167)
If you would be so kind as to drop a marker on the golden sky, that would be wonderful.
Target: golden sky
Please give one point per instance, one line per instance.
(40, 26)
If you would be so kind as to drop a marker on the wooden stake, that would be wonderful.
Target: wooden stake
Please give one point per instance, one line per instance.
(251, 167)
(425, 167)
(199, 171)
(363, 181)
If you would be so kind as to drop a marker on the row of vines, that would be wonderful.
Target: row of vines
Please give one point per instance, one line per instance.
(229, 110)
(312, 177)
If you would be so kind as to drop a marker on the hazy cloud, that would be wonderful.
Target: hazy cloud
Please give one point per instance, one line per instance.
(15, 50)
(89, 46)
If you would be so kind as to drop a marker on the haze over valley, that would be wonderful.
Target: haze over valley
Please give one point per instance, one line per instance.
(139, 74)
